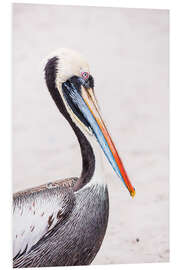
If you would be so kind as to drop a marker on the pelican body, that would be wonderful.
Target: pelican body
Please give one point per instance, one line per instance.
(64, 222)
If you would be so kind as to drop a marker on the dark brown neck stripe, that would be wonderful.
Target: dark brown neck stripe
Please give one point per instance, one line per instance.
(88, 158)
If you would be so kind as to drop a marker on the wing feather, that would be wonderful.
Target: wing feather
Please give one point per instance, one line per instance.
(36, 211)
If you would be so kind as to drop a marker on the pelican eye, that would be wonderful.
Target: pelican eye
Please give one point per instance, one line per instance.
(85, 75)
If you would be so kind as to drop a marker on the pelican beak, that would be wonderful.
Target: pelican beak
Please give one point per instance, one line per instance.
(85, 101)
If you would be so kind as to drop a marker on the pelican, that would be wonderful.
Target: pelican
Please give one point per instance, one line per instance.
(64, 222)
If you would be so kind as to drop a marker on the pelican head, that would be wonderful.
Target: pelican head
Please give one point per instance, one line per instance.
(70, 82)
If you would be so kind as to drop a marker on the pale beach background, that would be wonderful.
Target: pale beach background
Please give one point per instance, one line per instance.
(127, 50)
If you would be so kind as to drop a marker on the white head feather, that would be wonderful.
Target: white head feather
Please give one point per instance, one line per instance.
(70, 63)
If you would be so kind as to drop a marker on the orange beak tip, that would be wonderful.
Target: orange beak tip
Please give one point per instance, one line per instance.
(133, 193)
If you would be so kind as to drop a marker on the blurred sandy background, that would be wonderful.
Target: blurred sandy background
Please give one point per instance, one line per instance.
(127, 50)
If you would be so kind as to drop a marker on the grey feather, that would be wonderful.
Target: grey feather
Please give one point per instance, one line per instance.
(76, 238)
